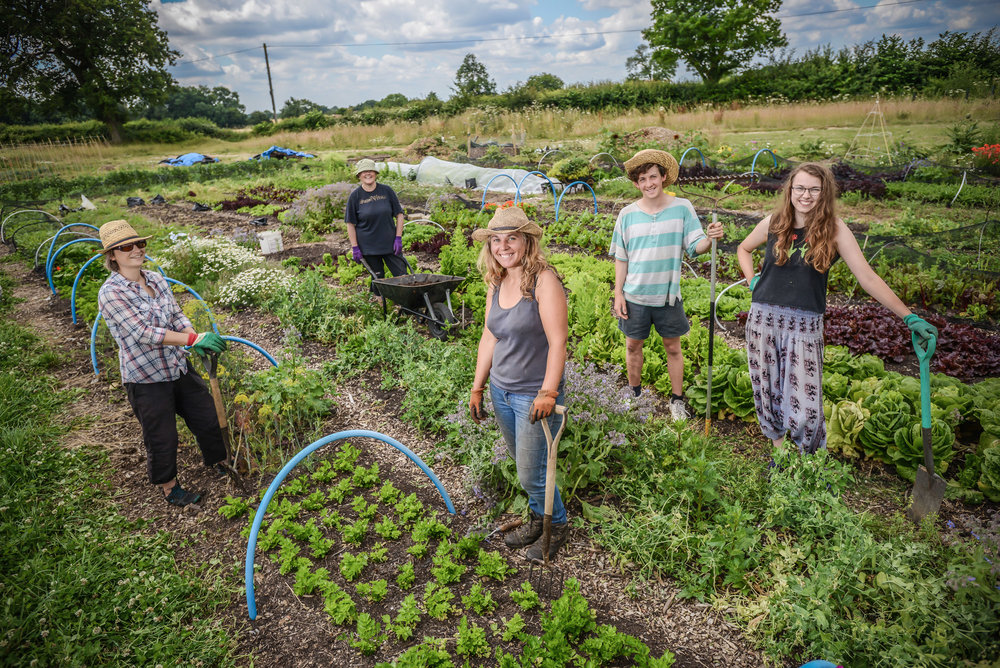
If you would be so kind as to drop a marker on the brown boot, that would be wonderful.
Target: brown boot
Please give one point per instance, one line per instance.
(536, 553)
(526, 534)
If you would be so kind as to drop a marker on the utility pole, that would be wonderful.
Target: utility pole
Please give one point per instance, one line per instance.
(270, 86)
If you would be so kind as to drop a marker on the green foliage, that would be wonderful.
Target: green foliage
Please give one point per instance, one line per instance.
(437, 600)
(406, 576)
(493, 565)
(306, 580)
(479, 600)
(407, 618)
(471, 640)
(472, 79)
(369, 637)
(571, 169)
(351, 565)
(387, 529)
(907, 451)
(526, 598)
(373, 591)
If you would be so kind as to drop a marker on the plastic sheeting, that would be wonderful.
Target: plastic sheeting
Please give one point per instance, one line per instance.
(281, 152)
(433, 171)
(188, 159)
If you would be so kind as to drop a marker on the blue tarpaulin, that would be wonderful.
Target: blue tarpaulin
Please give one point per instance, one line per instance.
(279, 152)
(188, 159)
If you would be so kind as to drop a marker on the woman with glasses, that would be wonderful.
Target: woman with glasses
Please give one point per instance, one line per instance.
(151, 331)
(784, 330)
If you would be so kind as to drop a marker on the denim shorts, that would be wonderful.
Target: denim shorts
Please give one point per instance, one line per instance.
(670, 321)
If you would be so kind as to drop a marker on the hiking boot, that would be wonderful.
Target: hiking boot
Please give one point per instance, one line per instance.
(526, 534)
(536, 553)
(678, 411)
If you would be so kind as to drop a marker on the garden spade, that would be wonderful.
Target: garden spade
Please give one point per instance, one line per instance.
(711, 334)
(546, 580)
(928, 488)
(212, 366)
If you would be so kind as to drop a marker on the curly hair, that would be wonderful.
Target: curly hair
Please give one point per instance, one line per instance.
(636, 172)
(532, 265)
(821, 221)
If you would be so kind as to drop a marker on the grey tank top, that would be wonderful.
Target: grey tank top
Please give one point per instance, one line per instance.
(522, 350)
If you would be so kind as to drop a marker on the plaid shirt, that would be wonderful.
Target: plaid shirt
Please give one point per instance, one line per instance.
(139, 322)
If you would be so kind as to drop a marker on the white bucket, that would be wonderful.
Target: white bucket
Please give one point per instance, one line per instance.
(270, 241)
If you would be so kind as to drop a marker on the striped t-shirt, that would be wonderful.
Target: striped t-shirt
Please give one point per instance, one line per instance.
(653, 246)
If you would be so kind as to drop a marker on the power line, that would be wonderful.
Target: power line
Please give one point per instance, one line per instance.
(525, 37)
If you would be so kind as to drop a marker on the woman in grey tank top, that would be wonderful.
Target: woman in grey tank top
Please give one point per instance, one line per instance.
(522, 352)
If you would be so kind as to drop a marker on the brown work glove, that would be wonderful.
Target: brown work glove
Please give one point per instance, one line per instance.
(476, 409)
(543, 405)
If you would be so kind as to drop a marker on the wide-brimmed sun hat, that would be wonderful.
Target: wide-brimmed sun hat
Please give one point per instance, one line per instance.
(118, 232)
(656, 157)
(507, 220)
(364, 165)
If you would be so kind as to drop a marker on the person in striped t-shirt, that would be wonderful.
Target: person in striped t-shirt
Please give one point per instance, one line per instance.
(651, 235)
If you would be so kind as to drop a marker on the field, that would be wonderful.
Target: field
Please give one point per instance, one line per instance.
(686, 549)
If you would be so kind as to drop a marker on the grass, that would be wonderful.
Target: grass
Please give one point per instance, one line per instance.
(81, 585)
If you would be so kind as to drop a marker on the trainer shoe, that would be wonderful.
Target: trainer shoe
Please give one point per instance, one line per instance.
(179, 497)
(536, 553)
(678, 411)
(526, 534)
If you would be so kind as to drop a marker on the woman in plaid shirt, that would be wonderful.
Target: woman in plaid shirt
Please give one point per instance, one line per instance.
(151, 330)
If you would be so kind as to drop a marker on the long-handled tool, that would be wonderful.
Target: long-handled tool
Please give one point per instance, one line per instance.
(711, 333)
(212, 366)
(546, 580)
(928, 488)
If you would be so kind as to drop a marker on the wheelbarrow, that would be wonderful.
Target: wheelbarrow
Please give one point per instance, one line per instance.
(424, 296)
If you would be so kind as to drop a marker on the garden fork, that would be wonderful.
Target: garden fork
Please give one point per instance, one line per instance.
(546, 580)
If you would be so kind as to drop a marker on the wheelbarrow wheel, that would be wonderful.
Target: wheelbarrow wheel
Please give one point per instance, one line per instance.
(442, 314)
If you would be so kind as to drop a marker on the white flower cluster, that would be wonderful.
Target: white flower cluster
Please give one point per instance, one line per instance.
(209, 257)
(253, 286)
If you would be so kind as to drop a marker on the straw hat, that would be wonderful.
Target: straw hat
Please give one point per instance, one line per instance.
(505, 221)
(364, 165)
(118, 232)
(655, 157)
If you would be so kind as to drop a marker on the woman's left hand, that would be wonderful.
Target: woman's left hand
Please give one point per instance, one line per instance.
(397, 246)
(715, 231)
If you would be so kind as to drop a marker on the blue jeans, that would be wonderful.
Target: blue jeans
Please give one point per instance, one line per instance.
(527, 446)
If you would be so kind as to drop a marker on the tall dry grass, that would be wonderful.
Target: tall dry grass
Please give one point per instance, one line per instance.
(66, 159)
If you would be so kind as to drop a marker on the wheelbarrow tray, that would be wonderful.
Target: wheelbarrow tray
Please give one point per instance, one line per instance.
(408, 290)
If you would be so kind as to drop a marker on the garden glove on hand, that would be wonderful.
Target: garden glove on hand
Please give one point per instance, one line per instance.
(397, 246)
(206, 342)
(356, 253)
(543, 405)
(753, 281)
(920, 327)
(476, 409)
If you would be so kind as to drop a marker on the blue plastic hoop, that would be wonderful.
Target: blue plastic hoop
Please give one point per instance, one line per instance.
(56, 238)
(251, 344)
(76, 281)
(517, 195)
(688, 150)
(763, 150)
(273, 487)
(49, 267)
(517, 190)
(559, 201)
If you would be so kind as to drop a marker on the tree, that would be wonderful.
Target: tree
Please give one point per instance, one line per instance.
(544, 81)
(714, 37)
(471, 79)
(644, 66)
(219, 105)
(294, 107)
(109, 54)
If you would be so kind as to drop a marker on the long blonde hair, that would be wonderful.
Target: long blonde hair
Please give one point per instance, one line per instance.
(821, 221)
(532, 265)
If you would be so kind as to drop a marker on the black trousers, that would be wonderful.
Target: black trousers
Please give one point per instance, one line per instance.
(156, 405)
(396, 264)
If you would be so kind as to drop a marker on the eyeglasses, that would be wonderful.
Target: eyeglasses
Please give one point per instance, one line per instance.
(127, 248)
(802, 190)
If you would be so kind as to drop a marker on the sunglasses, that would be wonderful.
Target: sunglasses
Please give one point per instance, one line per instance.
(127, 248)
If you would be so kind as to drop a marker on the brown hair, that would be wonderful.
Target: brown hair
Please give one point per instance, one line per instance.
(821, 222)
(110, 263)
(532, 265)
(636, 172)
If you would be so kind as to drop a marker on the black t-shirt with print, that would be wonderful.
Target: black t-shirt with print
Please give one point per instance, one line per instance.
(373, 215)
(796, 283)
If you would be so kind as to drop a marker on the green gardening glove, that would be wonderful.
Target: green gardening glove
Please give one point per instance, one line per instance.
(208, 342)
(920, 327)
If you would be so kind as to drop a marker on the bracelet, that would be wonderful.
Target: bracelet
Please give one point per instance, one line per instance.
(192, 337)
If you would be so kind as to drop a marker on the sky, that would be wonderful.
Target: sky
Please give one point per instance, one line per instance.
(341, 53)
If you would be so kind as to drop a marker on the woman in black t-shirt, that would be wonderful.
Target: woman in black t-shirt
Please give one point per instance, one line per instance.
(784, 330)
(375, 223)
